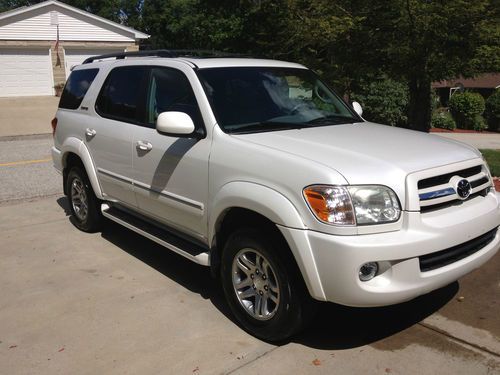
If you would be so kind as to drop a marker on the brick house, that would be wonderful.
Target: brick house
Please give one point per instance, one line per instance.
(30, 64)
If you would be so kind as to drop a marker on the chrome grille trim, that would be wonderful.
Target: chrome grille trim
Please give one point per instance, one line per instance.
(445, 179)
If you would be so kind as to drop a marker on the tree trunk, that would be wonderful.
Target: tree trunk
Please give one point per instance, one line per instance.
(419, 108)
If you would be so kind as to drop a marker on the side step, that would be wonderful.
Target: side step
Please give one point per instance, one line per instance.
(172, 242)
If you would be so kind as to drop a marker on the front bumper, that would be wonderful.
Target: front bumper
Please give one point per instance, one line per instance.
(337, 259)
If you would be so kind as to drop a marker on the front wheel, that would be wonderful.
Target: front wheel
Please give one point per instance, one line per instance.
(262, 287)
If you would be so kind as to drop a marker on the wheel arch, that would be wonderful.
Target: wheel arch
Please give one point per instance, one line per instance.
(74, 152)
(243, 204)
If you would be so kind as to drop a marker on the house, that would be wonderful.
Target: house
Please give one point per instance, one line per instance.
(485, 84)
(40, 44)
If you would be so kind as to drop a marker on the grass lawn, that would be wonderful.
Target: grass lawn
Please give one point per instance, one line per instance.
(493, 159)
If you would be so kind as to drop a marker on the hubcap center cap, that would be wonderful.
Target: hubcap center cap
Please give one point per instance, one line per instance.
(259, 283)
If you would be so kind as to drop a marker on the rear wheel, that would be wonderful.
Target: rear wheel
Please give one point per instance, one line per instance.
(262, 287)
(84, 205)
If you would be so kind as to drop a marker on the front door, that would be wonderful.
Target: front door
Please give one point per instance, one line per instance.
(171, 173)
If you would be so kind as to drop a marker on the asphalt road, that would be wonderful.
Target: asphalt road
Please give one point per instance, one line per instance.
(26, 169)
(116, 303)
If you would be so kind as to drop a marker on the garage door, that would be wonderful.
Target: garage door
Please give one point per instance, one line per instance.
(25, 72)
(74, 57)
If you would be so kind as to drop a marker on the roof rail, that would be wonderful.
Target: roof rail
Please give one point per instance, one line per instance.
(122, 55)
(162, 53)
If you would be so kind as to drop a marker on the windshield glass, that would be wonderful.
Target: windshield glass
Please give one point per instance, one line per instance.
(255, 99)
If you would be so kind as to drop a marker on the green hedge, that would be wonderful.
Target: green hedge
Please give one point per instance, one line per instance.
(466, 109)
(384, 101)
(443, 120)
(492, 111)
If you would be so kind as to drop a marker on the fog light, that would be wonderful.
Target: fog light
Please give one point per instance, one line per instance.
(368, 271)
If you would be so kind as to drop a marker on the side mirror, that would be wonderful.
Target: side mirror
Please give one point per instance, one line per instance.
(357, 108)
(175, 123)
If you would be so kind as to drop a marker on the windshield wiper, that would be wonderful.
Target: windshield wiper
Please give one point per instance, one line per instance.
(332, 120)
(265, 126)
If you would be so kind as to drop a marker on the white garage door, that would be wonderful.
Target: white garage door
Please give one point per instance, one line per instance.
(25, 72)
(74, 57)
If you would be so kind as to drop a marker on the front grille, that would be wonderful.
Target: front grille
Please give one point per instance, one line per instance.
(439, 191)
(444, 178)
(453, 254)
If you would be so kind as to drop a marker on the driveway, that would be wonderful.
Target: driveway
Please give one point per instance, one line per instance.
(27, 115)
(117, 303)
(486, 140)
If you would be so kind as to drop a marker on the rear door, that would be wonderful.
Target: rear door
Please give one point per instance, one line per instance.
(119, 108)
(171, 176)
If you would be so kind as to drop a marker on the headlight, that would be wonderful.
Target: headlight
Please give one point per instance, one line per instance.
(351, 205)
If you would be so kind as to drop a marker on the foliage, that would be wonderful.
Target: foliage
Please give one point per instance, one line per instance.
(443, 120)
(384, 101)
(350, 43)
(465, 107)
(479, 123)
(492, 110)
(493, 159)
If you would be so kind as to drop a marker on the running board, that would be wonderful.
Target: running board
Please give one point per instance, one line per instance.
(172, 242)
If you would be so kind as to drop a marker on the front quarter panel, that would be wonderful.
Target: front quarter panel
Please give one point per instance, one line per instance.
(279, 210)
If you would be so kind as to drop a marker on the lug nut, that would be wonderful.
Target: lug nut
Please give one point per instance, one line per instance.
(266, 288)
(264, 277)
(251, 276)
(256, 272)
(261, 292)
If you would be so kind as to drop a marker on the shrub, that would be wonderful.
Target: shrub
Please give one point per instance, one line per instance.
(384, 101)
(478, 123)
(492, 111)
(443, 120)
(465, 108)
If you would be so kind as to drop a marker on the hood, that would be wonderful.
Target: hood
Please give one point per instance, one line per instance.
(367, 153)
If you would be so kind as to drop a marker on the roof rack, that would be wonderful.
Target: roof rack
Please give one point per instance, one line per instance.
(162, 53)
(122, 55)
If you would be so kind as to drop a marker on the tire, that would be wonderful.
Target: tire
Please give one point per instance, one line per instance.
(84, 205)
(254, 267)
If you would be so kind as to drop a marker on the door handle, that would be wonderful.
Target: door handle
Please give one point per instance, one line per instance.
(144, 145)
(90, 132)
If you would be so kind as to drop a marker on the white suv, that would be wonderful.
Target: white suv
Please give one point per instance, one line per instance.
(257, 169)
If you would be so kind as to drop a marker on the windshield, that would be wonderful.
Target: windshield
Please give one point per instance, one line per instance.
(255, 99)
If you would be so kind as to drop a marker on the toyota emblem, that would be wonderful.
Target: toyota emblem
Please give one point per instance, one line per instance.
(463, 189)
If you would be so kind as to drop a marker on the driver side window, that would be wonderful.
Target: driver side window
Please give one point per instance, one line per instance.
(170, 90)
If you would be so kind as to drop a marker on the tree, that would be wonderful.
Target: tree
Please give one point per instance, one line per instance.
(435, 40)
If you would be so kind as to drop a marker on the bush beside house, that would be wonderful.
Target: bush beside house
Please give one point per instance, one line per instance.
(492, 111)
(466, 109)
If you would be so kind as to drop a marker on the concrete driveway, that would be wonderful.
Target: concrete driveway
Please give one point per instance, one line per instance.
(117, 303)
(478, 140)
(27, 115)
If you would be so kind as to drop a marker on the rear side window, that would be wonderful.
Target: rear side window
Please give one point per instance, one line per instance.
(77, 86)
(121, 95)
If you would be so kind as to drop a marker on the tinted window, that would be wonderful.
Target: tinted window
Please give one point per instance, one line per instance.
(170, 90)
(76, 87)
(254, 99)
(120, 96)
